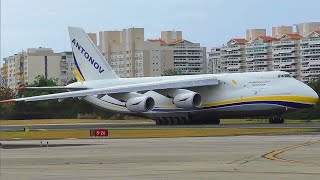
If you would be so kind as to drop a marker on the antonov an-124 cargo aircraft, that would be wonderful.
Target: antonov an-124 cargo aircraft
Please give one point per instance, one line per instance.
(186, 99)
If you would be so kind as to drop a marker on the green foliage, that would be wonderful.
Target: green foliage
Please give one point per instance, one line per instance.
(68, 108)
(171, 72)
(6, 109)
(315, 85)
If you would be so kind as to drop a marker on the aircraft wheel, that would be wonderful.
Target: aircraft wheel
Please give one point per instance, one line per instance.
(164, 121)
(216, 121)
(175, 120)
(276, 120)
(181, 121)
(271, 120)
(281, 121)
(158, 122)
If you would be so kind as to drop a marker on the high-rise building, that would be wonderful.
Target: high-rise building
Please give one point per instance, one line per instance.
(130, 56)
(214, 60)
(4, 74)
(310, 56)
(189, 57)
(304, 29)
(93, 37)
(1, 76)
(25, 66)
(251, 34)
(171, 36)
(279, 31)
(286, 56)
(157, 58)
(233, 56)
(124, 50)
(258, 54)
(13, 68)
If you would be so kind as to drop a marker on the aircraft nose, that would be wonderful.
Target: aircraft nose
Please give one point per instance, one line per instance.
(311, 93)
(315, 95)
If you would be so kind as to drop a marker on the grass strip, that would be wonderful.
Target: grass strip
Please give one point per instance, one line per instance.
(148, 133)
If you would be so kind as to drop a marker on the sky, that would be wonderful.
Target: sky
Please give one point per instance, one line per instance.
(43, 23)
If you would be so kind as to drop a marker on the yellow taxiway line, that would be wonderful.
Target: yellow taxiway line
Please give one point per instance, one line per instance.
(273, 155)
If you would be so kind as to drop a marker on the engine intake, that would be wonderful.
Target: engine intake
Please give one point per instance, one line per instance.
(140, 104)
(187, 100)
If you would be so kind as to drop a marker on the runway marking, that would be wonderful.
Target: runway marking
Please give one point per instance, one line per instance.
(273, 154)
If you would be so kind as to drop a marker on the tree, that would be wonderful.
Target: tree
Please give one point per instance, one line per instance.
(6, 110)
(68, 108)
(6, 93)
(171, 72)
(315, 85)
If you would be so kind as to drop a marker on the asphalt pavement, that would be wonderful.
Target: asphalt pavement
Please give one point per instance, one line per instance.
(151, 126)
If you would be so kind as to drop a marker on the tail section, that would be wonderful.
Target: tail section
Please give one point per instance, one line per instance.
(89, 62)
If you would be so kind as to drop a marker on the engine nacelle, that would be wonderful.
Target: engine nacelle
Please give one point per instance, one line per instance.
(140, 104)
(187, 100)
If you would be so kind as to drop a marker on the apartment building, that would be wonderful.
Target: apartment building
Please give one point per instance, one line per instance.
(310, 56)
(279, 31)
(1, 76)
(304, 29)
(157, 58)
(131, 56)
(171, 36)
(233, 56)
(66, 67)
(25, 66)
(4, 75)
(93, 37)
(259, 53)
(13, 70)
(214, 60)
(252, 34)
(286, 56)
(189, 57)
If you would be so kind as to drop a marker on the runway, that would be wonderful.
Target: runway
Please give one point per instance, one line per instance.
(151, 126)
(233, 157)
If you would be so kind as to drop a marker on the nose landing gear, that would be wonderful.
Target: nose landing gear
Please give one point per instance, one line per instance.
(276, 120)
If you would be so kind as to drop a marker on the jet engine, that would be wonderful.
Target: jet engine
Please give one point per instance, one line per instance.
(140, 104)
(187, 100)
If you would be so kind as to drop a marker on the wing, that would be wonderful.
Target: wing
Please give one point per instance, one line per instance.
(55, 88)
(159, 85)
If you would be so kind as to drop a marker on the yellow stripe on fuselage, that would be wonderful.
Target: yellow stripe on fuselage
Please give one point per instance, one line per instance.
(297, 99)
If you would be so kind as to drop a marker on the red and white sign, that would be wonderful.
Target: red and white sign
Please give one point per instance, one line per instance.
(100, 132)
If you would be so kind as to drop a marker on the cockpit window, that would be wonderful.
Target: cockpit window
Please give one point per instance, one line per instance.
(284, 76)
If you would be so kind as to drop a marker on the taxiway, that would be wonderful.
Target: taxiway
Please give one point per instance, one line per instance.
(232, 157)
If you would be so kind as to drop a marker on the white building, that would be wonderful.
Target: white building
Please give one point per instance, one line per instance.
(304, 29)
(259, 54)
(214, 61)
(286, 56)
(25, 66)
(233, 56)
(189, 57)
(310, 56)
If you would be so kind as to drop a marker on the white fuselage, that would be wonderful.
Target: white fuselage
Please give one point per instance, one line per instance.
(245, 94)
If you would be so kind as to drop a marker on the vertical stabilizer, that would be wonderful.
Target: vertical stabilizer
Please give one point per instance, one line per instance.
(89, 62)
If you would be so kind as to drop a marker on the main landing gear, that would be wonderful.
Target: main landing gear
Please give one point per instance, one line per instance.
(184, 121)
(276, 120)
